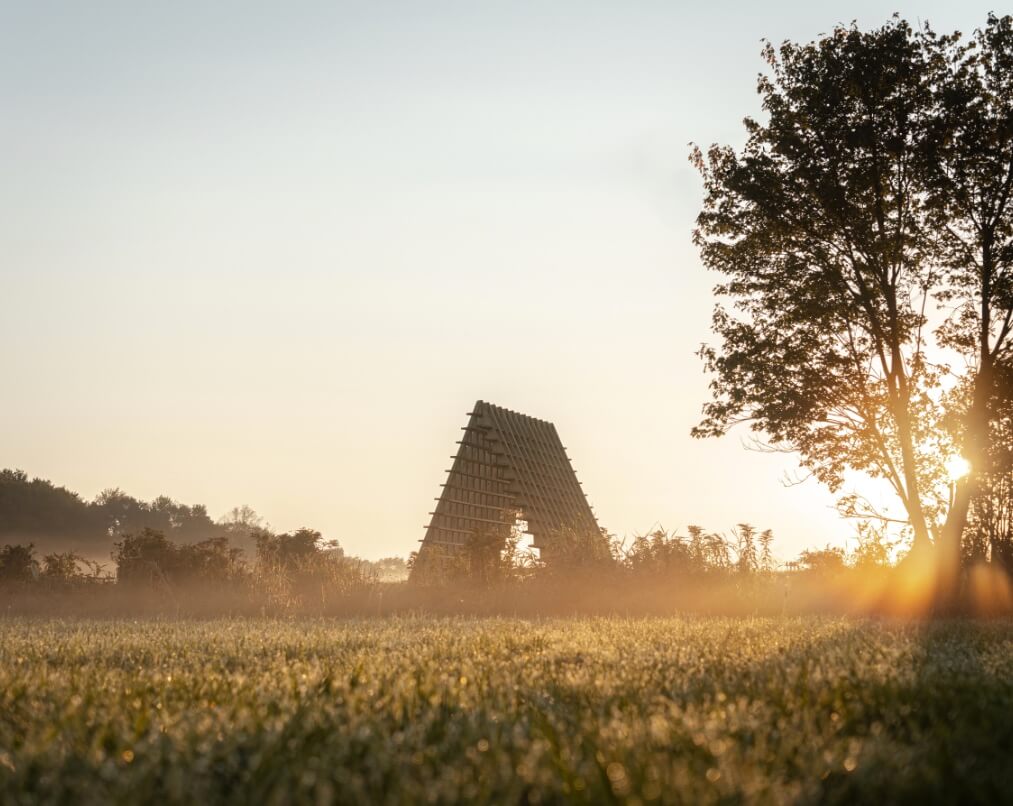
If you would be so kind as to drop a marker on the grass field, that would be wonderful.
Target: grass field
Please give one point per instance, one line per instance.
(506, 711)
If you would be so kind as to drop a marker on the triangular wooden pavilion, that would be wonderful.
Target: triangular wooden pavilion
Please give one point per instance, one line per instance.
(509, 467)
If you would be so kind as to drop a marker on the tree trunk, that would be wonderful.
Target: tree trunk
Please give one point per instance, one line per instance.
(974, 449)
(914, 499)
(900, 399)
(948, 546)
(974, 446)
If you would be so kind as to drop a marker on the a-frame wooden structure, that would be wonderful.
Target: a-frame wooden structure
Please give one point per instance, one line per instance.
(509, 467)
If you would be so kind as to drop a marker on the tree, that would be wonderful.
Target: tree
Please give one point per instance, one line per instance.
(18, 563)
(967, 176)
(242, 525)
(825, 562)
(816, 227)
(147, 556)
(48, 515)
(150, 557)
(989, 533)
(832, 229)
(287, 550)
(298, 568)
(62, 568)
(124, 514)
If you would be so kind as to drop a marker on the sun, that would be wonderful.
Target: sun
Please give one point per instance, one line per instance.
(957, 467)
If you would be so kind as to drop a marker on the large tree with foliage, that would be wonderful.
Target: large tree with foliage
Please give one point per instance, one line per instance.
(967, 177)
(874, 194)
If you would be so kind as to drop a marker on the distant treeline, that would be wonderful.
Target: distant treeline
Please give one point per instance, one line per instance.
(55, 518)
(57, 522)
(290, 572)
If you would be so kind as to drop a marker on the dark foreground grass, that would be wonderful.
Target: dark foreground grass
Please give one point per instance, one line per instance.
(506, 711)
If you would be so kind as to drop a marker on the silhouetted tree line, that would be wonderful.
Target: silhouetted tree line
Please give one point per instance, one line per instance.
(289, 572)
(39, 512)
(702, 571)
(164, 553)
(19, 564)
(658, 555)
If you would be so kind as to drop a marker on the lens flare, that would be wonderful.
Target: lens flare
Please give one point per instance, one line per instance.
(957, 467)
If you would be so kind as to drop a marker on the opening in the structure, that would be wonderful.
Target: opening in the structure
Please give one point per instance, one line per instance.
(524, 540)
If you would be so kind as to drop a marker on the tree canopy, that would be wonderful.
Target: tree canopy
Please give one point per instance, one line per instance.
(864, 234)
(54, 518)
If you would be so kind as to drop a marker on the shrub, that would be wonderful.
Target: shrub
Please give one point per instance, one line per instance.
(18, 563)
(149, 557)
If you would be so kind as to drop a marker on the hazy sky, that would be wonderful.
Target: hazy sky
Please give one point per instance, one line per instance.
(271, 253)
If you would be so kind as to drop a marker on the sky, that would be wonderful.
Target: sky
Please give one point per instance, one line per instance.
(271, 253)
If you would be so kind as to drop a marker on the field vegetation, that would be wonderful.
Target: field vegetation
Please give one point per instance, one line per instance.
(597, 710)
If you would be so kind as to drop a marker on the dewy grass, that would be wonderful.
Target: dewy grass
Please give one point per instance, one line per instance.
(675, 710)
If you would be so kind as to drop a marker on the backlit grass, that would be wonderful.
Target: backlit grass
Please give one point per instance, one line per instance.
(442, 710)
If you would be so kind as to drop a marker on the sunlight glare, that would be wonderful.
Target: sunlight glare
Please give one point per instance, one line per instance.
(957, 467)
